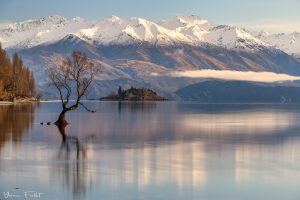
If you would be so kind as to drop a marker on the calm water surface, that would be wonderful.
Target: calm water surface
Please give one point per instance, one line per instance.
(164, 150)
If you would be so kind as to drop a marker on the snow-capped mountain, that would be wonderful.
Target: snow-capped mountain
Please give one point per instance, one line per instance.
(290, 43)
(202, 31)
(34, 32)
(191, 30)
(114, 30)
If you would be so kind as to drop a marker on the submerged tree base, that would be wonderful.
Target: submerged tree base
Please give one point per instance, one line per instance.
(61, 121)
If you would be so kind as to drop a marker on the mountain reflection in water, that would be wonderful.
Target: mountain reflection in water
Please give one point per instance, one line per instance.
(154, 150)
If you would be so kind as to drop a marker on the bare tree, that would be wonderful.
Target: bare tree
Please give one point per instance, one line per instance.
(72, 78)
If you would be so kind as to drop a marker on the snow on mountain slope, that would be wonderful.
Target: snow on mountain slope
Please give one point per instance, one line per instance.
(191, 30)
(203, 31)
(114, 30)
(232, 37)
(290, 43)
(34, 32)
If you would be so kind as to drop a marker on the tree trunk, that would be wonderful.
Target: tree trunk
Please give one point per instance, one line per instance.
(61, 121)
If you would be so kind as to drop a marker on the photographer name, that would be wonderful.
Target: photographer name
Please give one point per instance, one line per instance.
(25, 194)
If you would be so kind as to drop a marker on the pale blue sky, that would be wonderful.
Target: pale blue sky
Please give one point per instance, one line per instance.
(272, 15)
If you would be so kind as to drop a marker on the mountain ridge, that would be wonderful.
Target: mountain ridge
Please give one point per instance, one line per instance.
(192, 30)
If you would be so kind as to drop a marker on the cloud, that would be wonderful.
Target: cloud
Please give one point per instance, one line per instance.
(265, 77)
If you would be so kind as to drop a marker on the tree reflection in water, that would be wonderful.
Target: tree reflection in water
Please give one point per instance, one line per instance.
(15, 121)
(73, 153)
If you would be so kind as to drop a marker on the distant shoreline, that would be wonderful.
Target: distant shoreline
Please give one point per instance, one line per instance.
(129, 100)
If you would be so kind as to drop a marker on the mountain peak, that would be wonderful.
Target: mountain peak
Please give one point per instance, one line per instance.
(262, 34)
(54, 17)
(77, 19)
(49, 19)
(30, 24)
(190, 19)
(183, 21)
(71, 38)
(113, 19)
(296, 34)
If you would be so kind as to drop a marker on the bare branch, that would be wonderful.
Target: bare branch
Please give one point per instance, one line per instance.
(86, 108)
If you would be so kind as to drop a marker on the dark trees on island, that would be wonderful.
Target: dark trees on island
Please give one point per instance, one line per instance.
(120, 91)
(72, 78)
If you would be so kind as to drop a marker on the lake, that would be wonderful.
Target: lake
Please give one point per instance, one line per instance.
(151, 150)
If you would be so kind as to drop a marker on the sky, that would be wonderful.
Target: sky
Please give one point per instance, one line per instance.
(270, 15)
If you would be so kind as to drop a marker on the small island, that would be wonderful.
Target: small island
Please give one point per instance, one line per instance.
(134, 94)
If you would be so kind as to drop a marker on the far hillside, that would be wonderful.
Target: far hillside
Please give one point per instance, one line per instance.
(217, 91)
